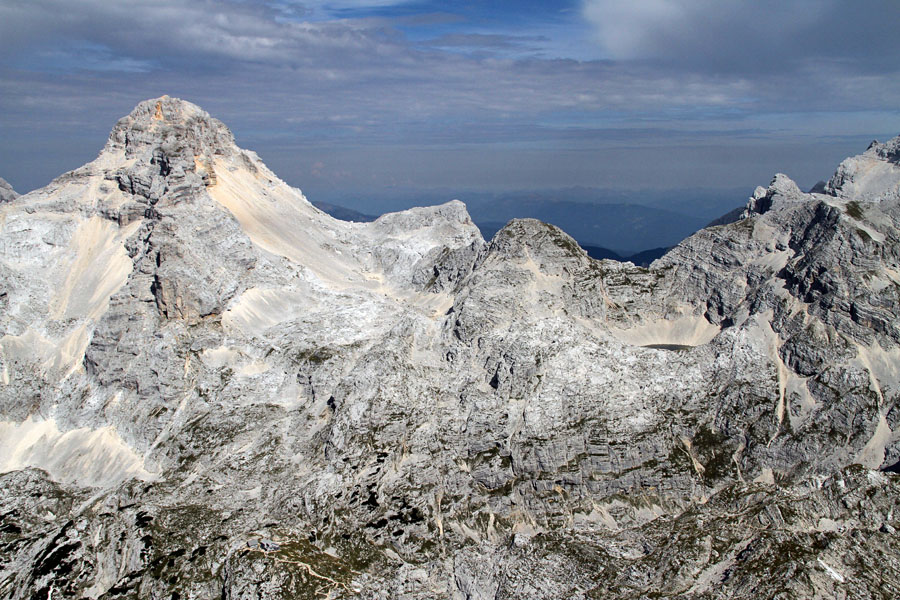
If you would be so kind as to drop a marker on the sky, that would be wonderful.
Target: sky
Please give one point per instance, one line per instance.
(374, 97)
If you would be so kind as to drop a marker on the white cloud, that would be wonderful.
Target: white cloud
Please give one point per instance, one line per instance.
(166, 28)
(730, 36)
(626, 29)
(262, 67)
(651, 28)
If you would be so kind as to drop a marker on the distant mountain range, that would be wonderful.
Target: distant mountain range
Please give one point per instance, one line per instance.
(641, 259)
(610, 223)
(618, 231)
(623, 228)
(343, 213)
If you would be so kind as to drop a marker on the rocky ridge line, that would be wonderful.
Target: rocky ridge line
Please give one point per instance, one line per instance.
(294, 406)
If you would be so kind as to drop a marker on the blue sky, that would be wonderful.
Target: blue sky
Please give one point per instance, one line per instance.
(369, 96)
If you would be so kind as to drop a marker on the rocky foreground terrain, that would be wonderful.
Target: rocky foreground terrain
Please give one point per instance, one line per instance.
(211, 389)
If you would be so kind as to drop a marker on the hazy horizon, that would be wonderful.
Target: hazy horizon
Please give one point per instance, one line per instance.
(361, 97)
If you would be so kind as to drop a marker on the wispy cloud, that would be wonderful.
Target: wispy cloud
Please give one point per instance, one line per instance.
(83, 56)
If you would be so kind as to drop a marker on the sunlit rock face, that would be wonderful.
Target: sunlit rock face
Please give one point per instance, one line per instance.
(210, 388)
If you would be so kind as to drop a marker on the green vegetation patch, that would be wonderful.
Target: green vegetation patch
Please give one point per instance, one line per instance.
(315, 356)
(854, 209)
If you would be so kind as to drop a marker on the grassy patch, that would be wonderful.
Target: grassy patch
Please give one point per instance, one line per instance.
(315, 356)
(854, 209)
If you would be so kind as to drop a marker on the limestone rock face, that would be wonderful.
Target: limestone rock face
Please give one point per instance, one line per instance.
(210, 388)
(7, 192)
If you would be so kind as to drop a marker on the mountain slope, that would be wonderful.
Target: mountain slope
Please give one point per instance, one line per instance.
(211, 388)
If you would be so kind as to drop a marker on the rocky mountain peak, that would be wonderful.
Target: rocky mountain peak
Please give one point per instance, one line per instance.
(873, 176)
(210, 388)
(782, 189)
(543, 243)
(163, 153)
(889, 150)
(7, 192)
(172, 125)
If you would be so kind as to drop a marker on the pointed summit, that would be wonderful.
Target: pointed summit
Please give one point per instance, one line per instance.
(161, 154)
(165, 148)
(173, 125)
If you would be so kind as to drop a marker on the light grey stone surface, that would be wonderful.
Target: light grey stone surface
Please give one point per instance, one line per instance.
(210, 388)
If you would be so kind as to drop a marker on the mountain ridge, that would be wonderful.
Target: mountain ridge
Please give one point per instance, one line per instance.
(209, 387)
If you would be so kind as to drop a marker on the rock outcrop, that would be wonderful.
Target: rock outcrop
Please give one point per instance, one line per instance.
(7, 192)
(208, 387)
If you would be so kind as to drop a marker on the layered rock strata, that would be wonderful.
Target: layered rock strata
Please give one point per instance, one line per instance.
(208, 387)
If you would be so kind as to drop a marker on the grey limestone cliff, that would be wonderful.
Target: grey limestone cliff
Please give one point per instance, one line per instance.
(210, 388)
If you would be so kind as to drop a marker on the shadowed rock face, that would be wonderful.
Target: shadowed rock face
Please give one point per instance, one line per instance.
(210, 388)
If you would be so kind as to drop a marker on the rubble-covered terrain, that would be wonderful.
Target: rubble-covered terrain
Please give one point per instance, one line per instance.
(210, 388)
